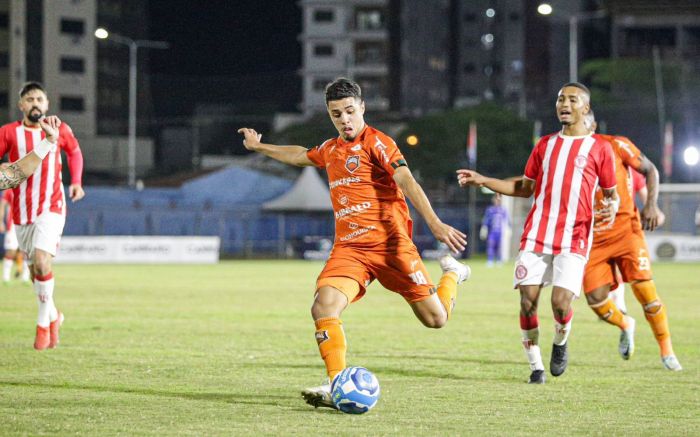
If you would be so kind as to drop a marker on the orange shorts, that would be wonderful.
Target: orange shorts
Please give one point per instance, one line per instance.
(628, 252)
(399, 270)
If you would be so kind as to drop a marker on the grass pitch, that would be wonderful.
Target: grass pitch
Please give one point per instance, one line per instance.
(225, 350)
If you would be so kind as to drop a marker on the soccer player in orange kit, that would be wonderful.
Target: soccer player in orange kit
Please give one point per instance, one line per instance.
(622, 244)
(368, 180)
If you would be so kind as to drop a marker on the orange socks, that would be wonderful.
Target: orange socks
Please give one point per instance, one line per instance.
(447, 291)
(655, 313)
(331, 343)
(609, 312)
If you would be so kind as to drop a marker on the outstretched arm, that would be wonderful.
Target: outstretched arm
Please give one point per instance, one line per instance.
(518, 187)
(294, 155)
(454, 239)
(15, 173)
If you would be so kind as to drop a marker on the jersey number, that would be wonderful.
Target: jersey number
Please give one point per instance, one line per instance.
(418, 278)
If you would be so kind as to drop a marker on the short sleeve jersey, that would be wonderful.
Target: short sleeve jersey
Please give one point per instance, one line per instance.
(370, 209)
(43, 189)
(627, 160)
(566, 171)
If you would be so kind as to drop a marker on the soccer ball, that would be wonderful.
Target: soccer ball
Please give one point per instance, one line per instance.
(355, 390)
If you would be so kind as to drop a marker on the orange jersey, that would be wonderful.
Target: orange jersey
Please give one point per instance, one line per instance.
(370, 209)
(627, 159)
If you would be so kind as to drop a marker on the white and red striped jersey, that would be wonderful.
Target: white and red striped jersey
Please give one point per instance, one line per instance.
(566, 171)
(43, 190)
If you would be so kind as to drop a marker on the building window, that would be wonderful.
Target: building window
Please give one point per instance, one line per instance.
(72, 27)
(323, 16)
(72, 103)
(72, 65)
(369, 19)
(4, 20)
(4, 59)
(370, 52)
(323, 50)
(3, 100)
(320, 84)
(373, 87)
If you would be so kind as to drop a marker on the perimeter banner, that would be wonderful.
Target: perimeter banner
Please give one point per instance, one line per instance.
(674, 247)
(135, 250)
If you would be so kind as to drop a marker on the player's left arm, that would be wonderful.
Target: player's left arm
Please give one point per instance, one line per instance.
(453, 238)
(74, 155)
(651, 215)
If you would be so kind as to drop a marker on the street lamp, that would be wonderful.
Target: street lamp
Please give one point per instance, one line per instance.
(691, 156)
(133, 45)
(546, 9)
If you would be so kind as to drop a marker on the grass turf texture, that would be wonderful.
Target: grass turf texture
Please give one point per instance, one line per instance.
(225, 350)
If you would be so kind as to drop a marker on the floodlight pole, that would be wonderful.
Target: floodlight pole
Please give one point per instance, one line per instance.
(573, 39)
(133, 72)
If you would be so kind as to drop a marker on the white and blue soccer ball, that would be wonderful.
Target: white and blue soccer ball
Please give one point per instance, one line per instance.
(355, 390)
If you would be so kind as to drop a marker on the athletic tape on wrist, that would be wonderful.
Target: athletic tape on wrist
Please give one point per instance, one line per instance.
(43, 148)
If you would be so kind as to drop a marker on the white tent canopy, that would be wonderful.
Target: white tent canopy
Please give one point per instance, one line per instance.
(309, 193)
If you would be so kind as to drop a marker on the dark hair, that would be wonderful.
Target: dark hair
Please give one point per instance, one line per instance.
(342, 88)
(31, 86)
(578, 85)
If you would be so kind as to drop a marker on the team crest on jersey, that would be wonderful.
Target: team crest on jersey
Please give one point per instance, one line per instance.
(580, 161)
(343, 200)
(352, 163)
(520, 272)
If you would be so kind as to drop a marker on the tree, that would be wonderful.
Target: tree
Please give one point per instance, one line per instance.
(504, 142)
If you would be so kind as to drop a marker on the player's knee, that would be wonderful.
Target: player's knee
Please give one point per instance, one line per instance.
(328, 305)
(528, 307)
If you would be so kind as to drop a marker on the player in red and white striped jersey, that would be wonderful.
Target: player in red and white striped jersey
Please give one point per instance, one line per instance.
(563, 173)
(39, 208)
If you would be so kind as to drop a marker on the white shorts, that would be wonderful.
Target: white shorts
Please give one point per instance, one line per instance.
(11, 242)
(44, 234)
(563, 270)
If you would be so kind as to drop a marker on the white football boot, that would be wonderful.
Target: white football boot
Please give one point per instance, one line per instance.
(319, 396)
(449, 264)
(671, 363)
(626, 345)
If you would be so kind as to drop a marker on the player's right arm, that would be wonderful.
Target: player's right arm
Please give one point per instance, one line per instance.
(518, 187)
(293, 155)
(15, 173)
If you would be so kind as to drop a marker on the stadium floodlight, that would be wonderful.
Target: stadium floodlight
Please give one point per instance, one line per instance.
(544, 9)
(691, 156)
(134, 45)
(101, 33)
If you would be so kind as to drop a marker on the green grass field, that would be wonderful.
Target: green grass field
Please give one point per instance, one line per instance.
(225, 350)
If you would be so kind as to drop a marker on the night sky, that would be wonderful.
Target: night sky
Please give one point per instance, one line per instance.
(250, 46)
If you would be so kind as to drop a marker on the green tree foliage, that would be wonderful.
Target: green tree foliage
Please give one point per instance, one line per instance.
(504, 142)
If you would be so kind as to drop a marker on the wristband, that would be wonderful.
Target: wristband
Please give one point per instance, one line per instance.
(43, 148)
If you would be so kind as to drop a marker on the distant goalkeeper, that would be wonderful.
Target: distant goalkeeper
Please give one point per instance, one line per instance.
(493, 225)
